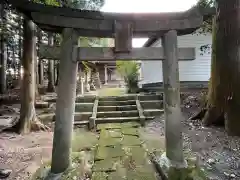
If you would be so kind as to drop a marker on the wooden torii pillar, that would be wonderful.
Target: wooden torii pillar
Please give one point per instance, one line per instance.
(65, 105)
(72, 23)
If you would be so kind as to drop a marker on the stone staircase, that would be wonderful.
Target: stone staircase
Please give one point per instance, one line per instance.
(116, 109)
(92, 110)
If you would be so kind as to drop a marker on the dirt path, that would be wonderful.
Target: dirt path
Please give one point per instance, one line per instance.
(24, 154)
(120, 154)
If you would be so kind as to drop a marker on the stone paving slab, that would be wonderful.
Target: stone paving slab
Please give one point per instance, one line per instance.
(104, 152)
(120, 155)
(131, 141)
(105, 165)
(109, 126)
(130, 131)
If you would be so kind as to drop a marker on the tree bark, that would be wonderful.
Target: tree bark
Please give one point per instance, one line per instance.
(27, 112)
(3, 53)
(51, 87)
(224, 96)
(57, 74)
(40, 62)
(19, 51)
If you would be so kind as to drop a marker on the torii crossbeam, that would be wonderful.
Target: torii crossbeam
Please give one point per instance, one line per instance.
(73, 23)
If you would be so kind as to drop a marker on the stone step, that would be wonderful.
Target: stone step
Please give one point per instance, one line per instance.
(116, 119)
(117, 108)
(118, 98)
(80, 116)
(109, 114)
(121, 119)
(77, 116)
(86, 122)
(79, 99)
(85, 99)
(79, 107)
(83, 107)
(153, 104)
(153, 112)
(150, 97)
(117, 103)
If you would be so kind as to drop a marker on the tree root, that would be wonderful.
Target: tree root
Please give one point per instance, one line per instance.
(199, 115)
(213, 116)
(209, 116)
(36, 125)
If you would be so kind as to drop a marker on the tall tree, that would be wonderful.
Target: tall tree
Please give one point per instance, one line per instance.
(28, 118)
(19, 49)
(3, 50)
(40, 61)
(51, 87)
(27, 112)
(224, 98)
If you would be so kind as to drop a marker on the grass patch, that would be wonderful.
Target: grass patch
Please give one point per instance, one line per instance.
(83, 143)
(83, 140)
(111, 92)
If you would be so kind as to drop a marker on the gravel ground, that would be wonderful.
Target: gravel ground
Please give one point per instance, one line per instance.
(218, 153)
(24, 154)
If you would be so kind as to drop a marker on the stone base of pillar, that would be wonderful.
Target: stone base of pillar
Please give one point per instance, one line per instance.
(174, 170)
(44, 173)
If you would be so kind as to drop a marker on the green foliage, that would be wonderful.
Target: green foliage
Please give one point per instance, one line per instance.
(83, 4)
(207, 24)
(48, 2)
(129, 70)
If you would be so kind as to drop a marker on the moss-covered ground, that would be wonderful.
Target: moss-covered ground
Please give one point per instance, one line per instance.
(120, 154)
(119, 151)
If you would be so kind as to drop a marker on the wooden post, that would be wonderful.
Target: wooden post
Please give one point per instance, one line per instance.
(173, 116)
(65, 105)
(82, 85)
(105, 74)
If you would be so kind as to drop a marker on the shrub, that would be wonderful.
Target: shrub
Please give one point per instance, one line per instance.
(129, 70)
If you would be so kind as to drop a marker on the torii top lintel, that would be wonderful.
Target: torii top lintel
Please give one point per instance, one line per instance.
(101, 24)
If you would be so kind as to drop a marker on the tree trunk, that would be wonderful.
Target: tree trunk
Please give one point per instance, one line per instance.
(3, 53)
(19, 50)
(40, 62)
(27, 112)
(51, 87)
(57, 74)
(224, 96)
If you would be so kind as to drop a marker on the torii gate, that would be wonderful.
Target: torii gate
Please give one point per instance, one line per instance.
(122, 27)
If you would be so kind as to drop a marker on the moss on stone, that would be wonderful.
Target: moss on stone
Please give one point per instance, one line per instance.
(131, 141)
(111, 133)
(142, 172)
(83, 140)
(106, 152)
(105, 165)
(99, 176)
(109, 126)
(109, 141)
(136, 155)
(130, 131)
(130, 125)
